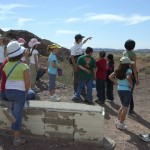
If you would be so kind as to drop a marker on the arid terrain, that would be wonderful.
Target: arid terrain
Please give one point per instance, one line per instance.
(125, 140)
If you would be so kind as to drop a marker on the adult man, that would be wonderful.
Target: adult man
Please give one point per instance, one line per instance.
(76, 52)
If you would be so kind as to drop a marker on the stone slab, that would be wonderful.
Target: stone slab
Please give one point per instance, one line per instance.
(66, 107)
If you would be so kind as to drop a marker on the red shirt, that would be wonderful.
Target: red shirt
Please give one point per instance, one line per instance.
(3, 76)
(101, 69)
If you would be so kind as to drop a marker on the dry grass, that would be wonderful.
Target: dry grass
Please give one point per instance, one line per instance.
(143, 64)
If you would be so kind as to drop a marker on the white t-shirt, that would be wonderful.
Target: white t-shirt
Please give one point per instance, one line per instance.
(1, 54)
(76, 49)
(32, 60)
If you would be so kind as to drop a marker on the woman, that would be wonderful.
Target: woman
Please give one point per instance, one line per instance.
(17, 86)
(122, 77)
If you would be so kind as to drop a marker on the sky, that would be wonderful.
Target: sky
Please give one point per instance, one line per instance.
(109, 22)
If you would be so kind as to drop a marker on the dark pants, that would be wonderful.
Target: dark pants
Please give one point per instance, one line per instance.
(75, 84)
(132, 102)
(100, 88)
(109, 91)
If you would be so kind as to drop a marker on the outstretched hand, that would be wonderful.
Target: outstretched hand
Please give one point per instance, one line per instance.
(89, 38)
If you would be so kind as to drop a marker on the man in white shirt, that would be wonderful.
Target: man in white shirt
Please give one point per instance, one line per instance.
(76, 52)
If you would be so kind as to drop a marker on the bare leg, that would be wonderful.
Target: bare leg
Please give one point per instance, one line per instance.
(17, 134)
(123, 114)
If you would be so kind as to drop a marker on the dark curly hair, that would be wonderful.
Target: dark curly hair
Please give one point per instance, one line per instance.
(129, 45)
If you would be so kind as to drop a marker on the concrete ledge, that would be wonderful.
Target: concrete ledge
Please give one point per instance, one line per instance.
(78, 122)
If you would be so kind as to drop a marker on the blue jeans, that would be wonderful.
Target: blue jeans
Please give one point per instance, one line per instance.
(81, 86)
(29, 96)
(18, 99)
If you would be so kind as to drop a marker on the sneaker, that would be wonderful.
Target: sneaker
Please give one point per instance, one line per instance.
(8, 113)
(89, 102)
(77, 100)
(55, 98)
(121, 126)
(19, 141)
(110, 101)
(100, 102)
(35, 89)
(116, 122)
(145, 137)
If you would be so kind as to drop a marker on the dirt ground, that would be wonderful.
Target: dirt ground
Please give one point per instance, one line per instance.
(125, 140)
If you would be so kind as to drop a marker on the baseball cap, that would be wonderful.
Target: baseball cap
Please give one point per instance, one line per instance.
(54, 46)
(79, 36)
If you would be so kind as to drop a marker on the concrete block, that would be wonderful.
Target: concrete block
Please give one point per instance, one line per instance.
(59, 129)
(66, 107)
(51, 114)
(66, 115)
(59, 135)
(4, 122)
(86, 120)
(65, 122)
(34, 123)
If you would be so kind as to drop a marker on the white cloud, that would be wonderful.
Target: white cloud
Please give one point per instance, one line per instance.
(23, 21)
(66, 32)
(104, 17)
(7, 11)
(108, 18)
(136, 19)
(9, 7)
(70, 20)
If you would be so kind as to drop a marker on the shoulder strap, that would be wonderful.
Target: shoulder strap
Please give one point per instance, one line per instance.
(12, 69)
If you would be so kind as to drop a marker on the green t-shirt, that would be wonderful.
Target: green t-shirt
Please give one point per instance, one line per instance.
(130, 54)
(17, 73)
(87, 62)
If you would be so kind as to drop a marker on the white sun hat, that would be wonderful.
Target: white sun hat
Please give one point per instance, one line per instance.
(126, 60)
(14, 49)
(33, 42)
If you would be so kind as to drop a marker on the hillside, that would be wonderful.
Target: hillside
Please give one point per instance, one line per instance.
(15, 34)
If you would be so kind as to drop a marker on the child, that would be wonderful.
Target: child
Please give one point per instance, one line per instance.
(25, 57)
(109, 83)
(129, 46)
(2, 51)
(124, 81)
(101, 65)
(17, 86)
(34, 64)
(87, 72)
(52, 71)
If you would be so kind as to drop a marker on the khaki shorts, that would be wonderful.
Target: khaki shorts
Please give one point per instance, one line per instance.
(33, 74)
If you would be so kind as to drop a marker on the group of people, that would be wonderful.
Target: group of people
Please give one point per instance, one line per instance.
(86, 69)
(19, 67)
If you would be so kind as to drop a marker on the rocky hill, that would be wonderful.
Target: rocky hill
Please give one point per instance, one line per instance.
(15, 34)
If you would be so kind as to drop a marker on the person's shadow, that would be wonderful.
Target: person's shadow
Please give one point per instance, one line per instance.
(139, 119)
(115, 106)
(135, 140)
(109, 112)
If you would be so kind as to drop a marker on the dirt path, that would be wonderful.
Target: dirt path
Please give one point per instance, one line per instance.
(125, 140)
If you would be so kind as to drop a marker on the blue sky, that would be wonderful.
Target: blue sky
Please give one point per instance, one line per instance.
(109, 22)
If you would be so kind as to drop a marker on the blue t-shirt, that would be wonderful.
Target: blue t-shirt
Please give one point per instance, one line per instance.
(52, 70)
(124, 84)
